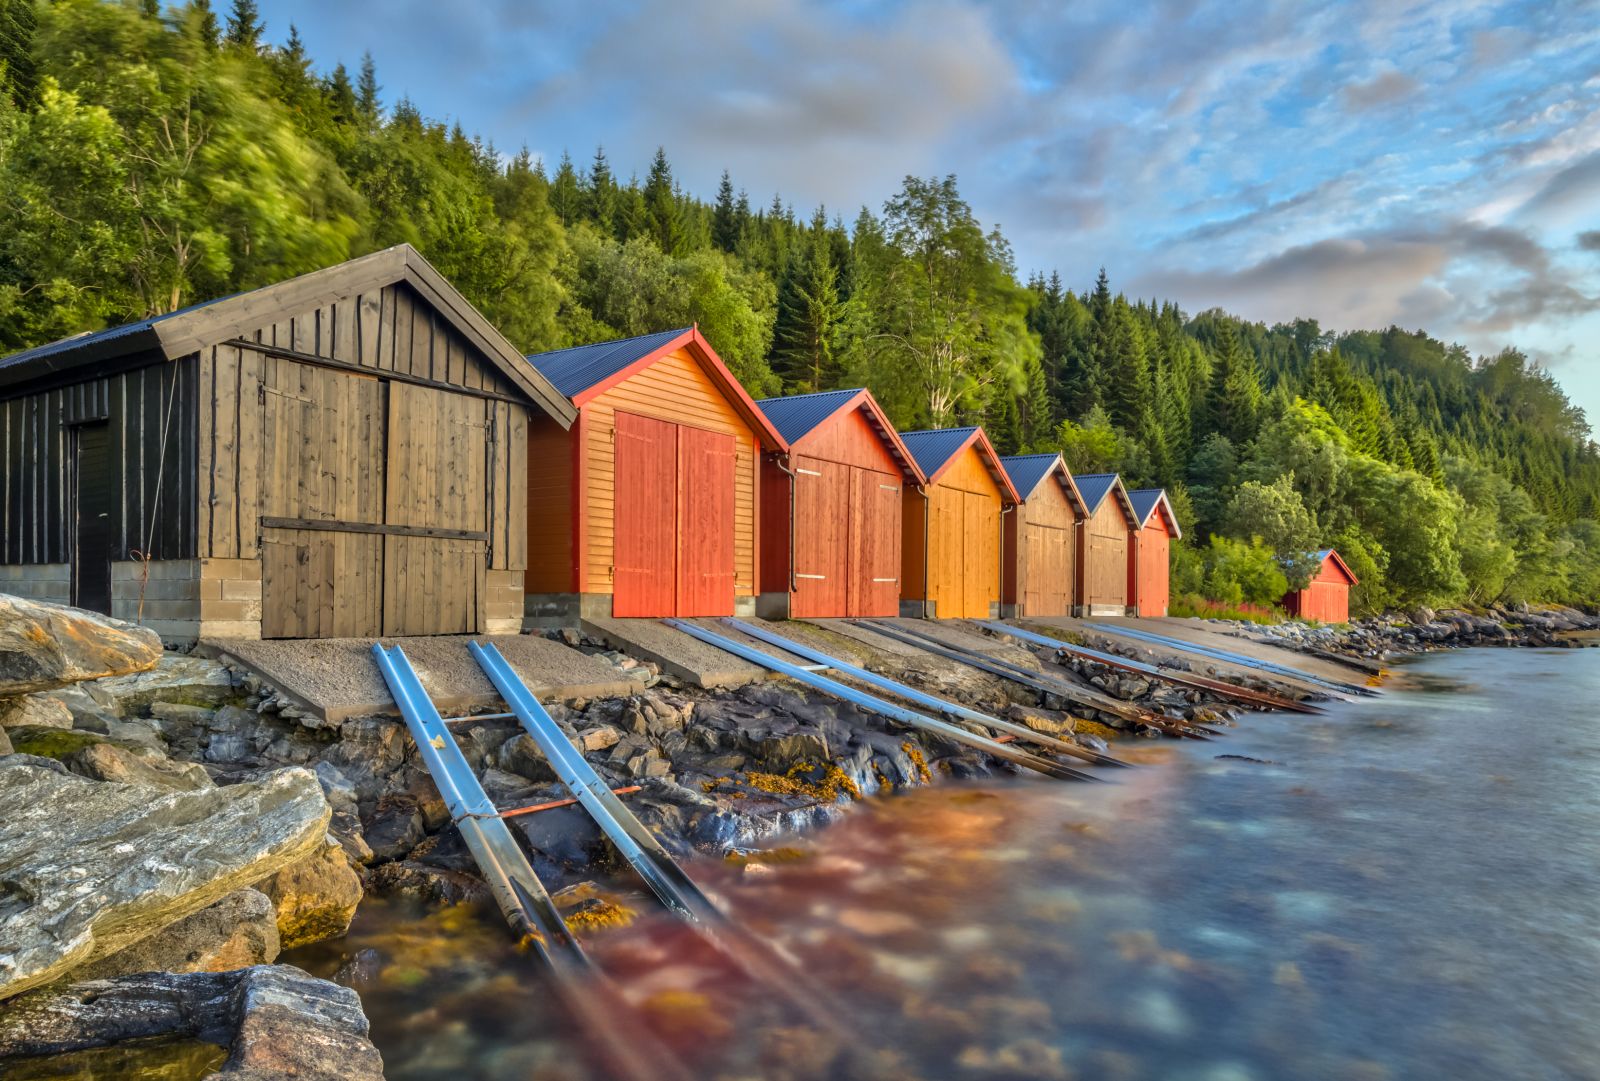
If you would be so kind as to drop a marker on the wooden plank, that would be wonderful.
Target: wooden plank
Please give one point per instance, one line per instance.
(339, 365)
(340, 526)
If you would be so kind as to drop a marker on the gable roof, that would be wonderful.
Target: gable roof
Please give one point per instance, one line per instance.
(1145, 503)
(798, 415)
(187, 330)
(1028, 471)
(1326, 554)
(934, 449)
(584, 372)
(1096, 486)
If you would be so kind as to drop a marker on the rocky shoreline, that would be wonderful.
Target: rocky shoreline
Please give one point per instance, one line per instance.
(169, 815)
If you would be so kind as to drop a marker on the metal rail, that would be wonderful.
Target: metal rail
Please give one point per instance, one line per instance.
(1338, 686)
(1127, 664)
(1040, 681)
(911, 694)
(877, 705)
(645, 854)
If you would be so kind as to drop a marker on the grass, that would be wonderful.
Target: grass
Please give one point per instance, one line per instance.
(1193, 607)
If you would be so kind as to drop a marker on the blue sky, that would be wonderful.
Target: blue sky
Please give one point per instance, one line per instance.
(1435, 165)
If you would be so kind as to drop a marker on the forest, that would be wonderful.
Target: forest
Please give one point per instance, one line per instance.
(155, 157)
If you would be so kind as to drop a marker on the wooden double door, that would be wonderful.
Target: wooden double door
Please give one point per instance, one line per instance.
(1046, 559)
(373, 505)
(846, 540)
(672, 520)
(964, 553)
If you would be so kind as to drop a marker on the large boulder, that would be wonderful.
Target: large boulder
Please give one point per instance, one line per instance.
(236, 932)
(109, 762)
(34, 710)
(177, 680)
(45, 645)
(276, 1021)
(315, 898)
(89, 868)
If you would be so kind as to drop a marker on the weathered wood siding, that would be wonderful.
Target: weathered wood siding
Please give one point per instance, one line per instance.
(1040, 553)
(408, 426)
(1150, 567)
(1105, 555)
(674, 388)
(963, 541)
(149, 414)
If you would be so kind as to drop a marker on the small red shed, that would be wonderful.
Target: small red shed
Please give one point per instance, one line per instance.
(1039, 576)
(1149, 564)
(647, 507)
(1326, 598)
(830, 508)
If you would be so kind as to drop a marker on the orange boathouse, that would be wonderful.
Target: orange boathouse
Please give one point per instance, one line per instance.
(1041, 537)
(952, 536)
(1105, 541)
(1149, 565)
(830, 508)
(1326, 598)
(647, 507)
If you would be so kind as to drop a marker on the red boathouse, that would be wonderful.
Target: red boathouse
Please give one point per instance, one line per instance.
(1327, 598)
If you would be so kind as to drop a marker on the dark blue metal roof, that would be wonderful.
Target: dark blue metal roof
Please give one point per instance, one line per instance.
(1144, 501)
(575, 370)
(1093, 487)
(1027, 470)
(932, 447)
(797, 414)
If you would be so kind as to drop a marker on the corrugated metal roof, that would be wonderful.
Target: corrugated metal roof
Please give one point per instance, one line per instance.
(796, 415)
(97, 337)
(1094, 487)
(1144, 501)
(1027, 470)
(932, 447)
(575, 370)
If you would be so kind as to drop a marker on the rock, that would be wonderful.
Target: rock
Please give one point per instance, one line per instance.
(600, 738)
(316, 898)
(5, 743)
(36, 710)
(1049, 722)
(522, 756)
(778, 749)
(236, 932)
(90, 868)
(394, 828)
(435, 885)
(178, 679)
(45, 645)
(362, 968)
(278, 1022)
(109, 762)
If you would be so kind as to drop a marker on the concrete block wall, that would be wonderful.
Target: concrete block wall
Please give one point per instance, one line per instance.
(184, 600)
(38, 581)
(502, 602)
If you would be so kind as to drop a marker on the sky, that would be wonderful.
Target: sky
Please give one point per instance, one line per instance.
(1431, 165)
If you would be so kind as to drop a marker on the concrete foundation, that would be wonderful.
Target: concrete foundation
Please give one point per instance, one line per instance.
(552, 611)
(679, 655)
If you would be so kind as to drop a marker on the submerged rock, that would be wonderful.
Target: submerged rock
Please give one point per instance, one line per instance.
(276, 1021)
(90, 868)
(45, 645)
(315, 898)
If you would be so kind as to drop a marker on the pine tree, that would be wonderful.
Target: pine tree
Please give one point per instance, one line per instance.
(600, 193)
(724, 218)
(18, 71)
(245, 26)
(565, 199)
(341, 96)
(810, 314)
(1235, 399)
(367, 92)
(205, 24)
(664, 215)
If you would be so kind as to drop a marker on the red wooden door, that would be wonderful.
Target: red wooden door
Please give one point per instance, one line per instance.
(822, 510)
(1153, 573)
(705, 523)
(643, 581)
(874, 544)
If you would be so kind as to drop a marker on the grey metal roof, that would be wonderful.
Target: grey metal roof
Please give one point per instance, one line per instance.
(575, 370)
(796, 415)
(1027, 470)
(1093, 487)
(932, 447)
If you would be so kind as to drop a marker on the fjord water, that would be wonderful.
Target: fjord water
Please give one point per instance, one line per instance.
(1405, 887)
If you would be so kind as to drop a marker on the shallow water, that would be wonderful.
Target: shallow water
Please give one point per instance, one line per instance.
(1406, 887)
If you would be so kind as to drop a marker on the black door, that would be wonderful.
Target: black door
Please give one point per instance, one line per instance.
(93, 498)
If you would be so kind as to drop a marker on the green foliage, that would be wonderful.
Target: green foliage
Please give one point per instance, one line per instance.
(151, 158)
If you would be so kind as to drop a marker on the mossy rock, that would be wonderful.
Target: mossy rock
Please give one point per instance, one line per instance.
(63, 743)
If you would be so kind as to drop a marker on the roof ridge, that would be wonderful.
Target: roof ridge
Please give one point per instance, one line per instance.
(612, 341)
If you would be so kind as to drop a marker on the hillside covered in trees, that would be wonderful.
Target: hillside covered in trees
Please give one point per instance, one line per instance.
(151, 158)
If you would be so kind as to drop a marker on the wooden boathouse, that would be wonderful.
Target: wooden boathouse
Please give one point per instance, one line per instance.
(339, 454)
(647, 506)
(1326, 598)
(830, 508)
(951, 538)
(1041, 537)
(1150, 564)
(1105, 541)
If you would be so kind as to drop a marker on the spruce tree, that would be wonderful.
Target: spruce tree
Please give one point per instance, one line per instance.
(664, 215)
(1235, 400)
(341, 96)
(600, 193)
(204, 21)
(810, 314)
(245, 26)
(564, 196)
(367, 92)
(724, 218)
(18, 71)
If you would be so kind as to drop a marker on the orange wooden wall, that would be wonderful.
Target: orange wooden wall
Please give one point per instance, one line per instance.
(1326, 599)
(1104, 553)
(1150, 567)
(675, 388)
(963, 541)
(1041, 553)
